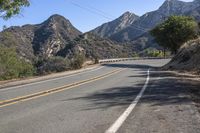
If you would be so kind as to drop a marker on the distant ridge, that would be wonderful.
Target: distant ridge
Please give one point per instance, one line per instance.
(136, 32)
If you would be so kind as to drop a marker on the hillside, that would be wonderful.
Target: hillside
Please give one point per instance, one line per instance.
(187, 58)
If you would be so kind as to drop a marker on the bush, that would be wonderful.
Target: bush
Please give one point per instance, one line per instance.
(52, 64)
(26, 69)
(77, 61)
(13, 67)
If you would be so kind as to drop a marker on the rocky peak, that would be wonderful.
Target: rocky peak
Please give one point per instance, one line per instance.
(58, 22)
(170, 6)
(110, 28)
(127, 18)
(57, 19)
(52, 35)
(128, 15)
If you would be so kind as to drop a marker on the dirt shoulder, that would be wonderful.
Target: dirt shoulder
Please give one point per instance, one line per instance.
(17, 82)
(192, 81)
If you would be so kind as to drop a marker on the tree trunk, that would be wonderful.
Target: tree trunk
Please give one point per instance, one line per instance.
(164, 52)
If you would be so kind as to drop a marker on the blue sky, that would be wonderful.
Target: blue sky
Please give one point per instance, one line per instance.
(83, 14)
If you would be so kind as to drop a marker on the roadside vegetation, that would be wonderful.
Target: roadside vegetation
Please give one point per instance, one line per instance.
(12, 66)
(59, 64)
(156, 53)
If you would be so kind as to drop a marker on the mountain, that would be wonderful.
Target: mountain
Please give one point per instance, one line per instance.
(149, 20)
(44, 39)
(52, 35)
(110, 28)
(195, 13)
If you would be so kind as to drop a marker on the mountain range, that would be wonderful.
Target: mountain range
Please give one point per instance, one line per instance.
(122, 37)
(58, 37)
(141, 25)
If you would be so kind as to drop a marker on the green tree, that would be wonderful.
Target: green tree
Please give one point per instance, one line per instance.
(175, 31)
(13, 67)
(9, 8)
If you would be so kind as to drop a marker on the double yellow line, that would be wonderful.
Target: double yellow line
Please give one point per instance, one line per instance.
(56, 90)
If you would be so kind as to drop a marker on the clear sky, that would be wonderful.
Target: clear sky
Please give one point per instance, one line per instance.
(83, 14)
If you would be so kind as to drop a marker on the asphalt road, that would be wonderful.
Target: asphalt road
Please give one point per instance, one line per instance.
(95, 101)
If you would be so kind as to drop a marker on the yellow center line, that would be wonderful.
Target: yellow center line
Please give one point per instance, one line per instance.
(56, 90)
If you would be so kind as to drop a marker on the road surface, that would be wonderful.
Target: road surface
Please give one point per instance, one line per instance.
(122, 97)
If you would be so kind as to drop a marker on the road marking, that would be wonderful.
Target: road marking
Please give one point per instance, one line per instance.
(56, 90)
(38, 82)
(118, 123)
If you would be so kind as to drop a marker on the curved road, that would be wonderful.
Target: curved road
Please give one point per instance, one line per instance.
(120, 97)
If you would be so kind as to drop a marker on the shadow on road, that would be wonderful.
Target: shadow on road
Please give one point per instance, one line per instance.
(135, 66)
(111, 97)
(170, 89)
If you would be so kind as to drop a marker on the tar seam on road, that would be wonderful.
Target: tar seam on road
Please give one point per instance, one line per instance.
(56, 90)
(47, 80)
(118, 123)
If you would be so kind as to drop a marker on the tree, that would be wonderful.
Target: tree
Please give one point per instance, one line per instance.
(175, 31)
(9, 8)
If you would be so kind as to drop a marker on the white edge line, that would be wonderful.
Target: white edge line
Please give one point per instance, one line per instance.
(38, 82)
(118, 123)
